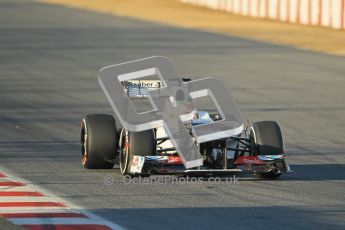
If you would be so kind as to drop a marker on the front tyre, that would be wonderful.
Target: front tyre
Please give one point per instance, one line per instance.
(268, 140)
(98, 141)
(267, 137)
(135, 144)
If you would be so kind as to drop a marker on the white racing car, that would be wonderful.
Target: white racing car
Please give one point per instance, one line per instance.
(258, 149)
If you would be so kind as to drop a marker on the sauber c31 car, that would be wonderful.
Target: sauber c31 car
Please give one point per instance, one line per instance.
(258, 149)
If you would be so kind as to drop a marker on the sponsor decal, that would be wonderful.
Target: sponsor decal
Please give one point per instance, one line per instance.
(249, 160)
(137, 164)
(174, 160)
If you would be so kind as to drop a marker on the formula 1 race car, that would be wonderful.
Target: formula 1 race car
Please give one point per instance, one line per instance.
(257, 149)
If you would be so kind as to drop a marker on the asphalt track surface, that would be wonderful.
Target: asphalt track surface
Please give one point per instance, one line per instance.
(50, 57)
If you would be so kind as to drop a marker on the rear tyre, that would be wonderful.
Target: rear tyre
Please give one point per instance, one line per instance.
(268, 140)
(98, 141)
(135, 144)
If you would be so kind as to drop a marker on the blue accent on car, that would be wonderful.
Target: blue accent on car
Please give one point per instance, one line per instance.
(156, 158)
(203, 117)
(271, 157)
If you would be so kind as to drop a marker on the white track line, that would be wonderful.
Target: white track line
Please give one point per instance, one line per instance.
(34, 209)
(16, 189)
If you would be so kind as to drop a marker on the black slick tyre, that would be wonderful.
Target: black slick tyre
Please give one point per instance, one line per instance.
(98, 141)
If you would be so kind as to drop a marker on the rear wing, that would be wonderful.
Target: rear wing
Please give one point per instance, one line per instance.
(140, 88)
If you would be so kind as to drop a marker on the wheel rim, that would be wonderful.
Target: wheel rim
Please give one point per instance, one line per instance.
(123, 157)
(83, 142)
(252, 137)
